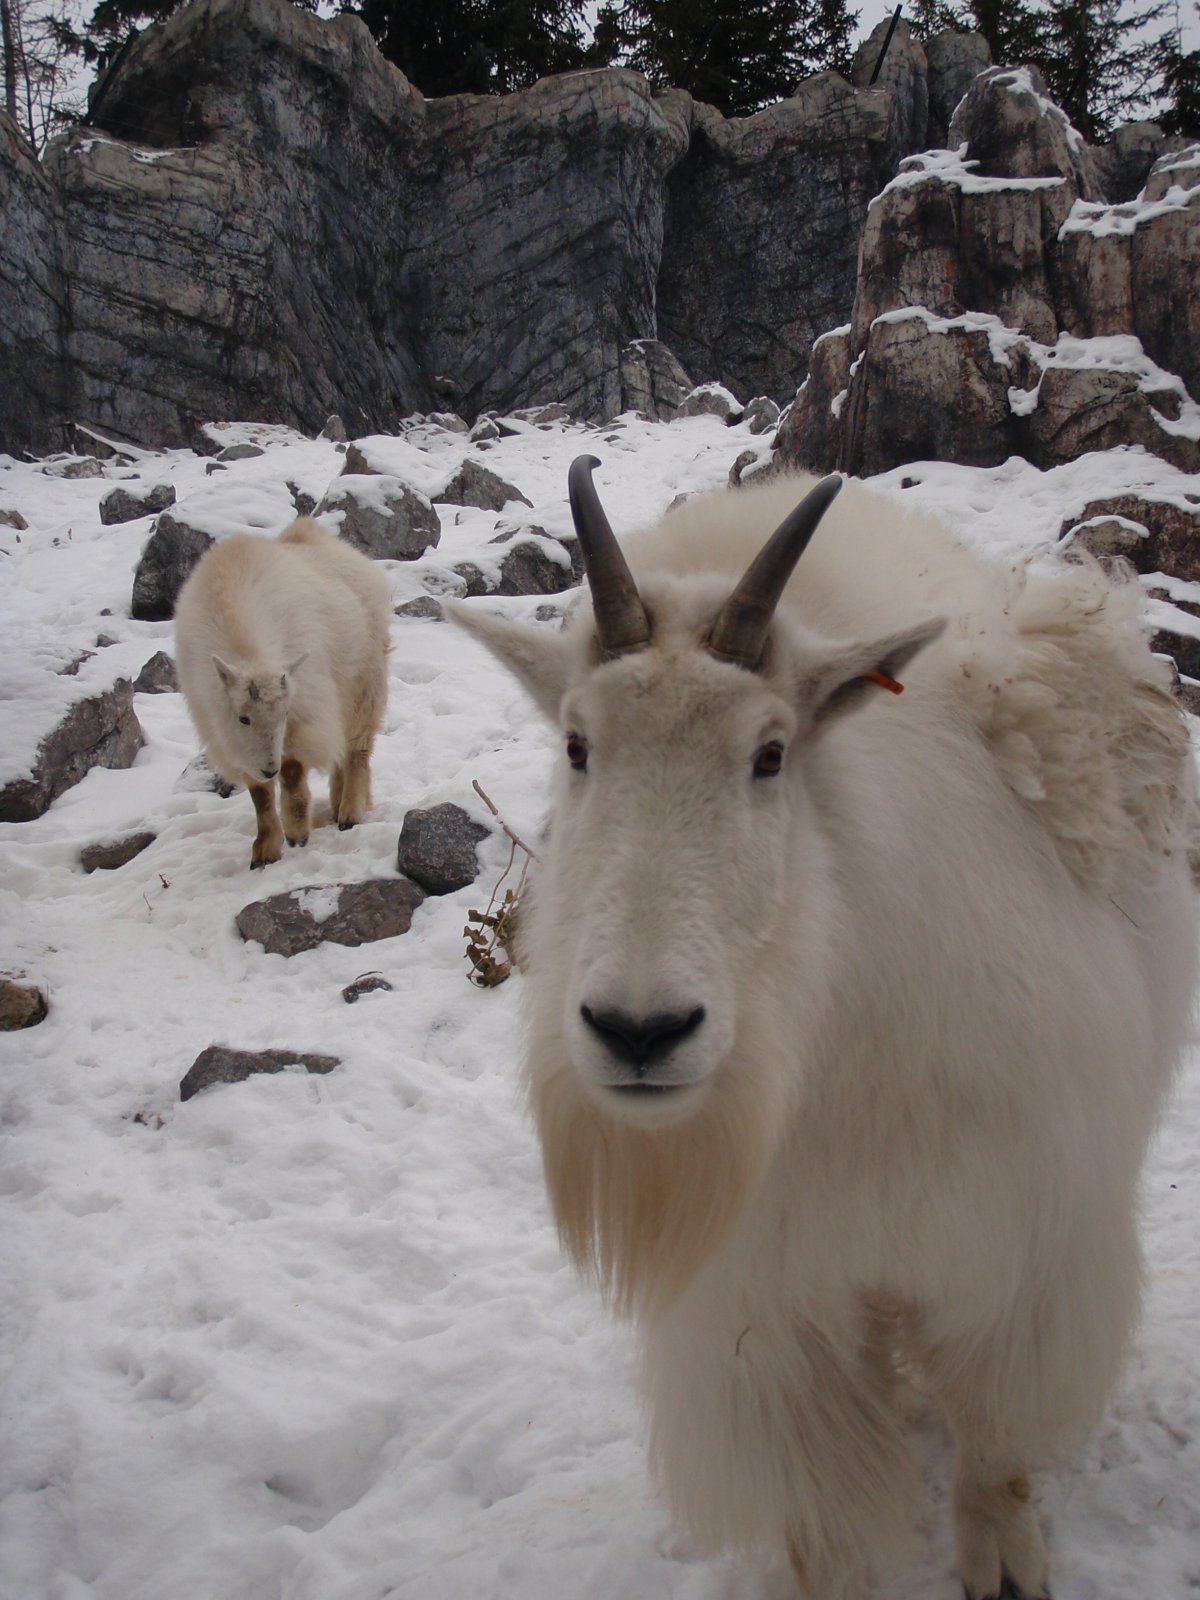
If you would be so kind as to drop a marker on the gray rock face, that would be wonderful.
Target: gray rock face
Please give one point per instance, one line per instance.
(955, 61)
(437, 848)
(350, 914)
(219, 1064)
(119, 505)
(101, 731)
(761, 232)
(503, 254)
(34, 395)
(171, 552)
(384, 517)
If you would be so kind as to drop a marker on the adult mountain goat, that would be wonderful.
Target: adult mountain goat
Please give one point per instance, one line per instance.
(852, 1013)
(281, 651)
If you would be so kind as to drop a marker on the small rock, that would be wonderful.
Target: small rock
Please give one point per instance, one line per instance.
(198, 777)
(171, 552)
(21, 1006)
(113, 853)
(157, 676)
(448, 421)
(348, 914)
(214, 466)
(530, 568)
(437, 848)
(653, 381)
(121, 505)
(474, 582)
(473, 485)
(1109, 536)
(761, 414)
(424, 608)
(219, 1064)
(13, 519)
(711, 400)
(356, 464)
(334, 429)
(304, 503)
(105, 641)
(484, 431)
(240, 452)
(78, 467)
(71, 670)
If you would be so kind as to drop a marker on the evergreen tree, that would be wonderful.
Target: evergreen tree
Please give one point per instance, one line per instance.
(1179, 85)
(476, 46)
(737, 55)
(1098, 64)
(40, 91)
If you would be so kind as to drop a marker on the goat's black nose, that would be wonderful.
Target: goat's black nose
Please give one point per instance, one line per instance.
(641, 1044)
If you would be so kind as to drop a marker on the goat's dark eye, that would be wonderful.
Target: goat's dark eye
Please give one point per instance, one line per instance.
(769, 761)
(245, 721)
(577, 751)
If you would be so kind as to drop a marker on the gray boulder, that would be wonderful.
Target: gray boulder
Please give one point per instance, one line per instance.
(109, 854)
(122, 505)
(219, 1064)
(22, 1005)
(474, 485)
(170, 554)
(384, 517)
(349, 914)
(437, 848)
(652, 381)
(101, 731)
(157, 676)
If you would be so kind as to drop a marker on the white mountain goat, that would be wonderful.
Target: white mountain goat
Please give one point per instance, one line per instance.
(281, 653)
(852, 1014)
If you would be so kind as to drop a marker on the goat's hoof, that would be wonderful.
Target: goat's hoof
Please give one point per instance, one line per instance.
(1008, 1591)
(344, 827)
(297, 844)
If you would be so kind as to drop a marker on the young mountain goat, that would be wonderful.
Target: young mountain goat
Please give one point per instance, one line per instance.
(852, 1013)
(281, 650)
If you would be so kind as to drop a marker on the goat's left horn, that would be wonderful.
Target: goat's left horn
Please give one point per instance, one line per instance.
(740, 630)
(621, 621)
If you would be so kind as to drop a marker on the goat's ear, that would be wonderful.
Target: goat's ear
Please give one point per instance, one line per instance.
(537, 658)
(843, 679)
(293, 667)
(227, 674)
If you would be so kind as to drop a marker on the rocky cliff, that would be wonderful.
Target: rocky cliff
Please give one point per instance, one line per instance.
(998, 273)
(265, 219)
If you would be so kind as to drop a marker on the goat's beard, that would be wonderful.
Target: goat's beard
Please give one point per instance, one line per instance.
(640, 1211)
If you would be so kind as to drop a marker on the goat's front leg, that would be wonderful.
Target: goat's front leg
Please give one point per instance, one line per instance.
(295, 797)
(268, 842)
(1001, 1554)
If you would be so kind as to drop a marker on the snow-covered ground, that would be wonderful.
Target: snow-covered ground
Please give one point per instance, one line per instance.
(311, 1338)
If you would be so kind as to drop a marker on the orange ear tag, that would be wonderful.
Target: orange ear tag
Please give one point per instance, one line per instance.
(884, 682)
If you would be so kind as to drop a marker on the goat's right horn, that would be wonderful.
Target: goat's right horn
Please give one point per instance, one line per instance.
(621, 621)
(740, 630)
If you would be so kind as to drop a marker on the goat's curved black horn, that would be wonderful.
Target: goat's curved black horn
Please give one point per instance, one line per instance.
(621, 621)
(740, 630)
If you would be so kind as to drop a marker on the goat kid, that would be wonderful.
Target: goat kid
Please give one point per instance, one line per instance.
(281, 651)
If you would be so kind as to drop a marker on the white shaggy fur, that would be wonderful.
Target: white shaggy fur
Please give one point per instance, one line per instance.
(945, 961)
(281, 652)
